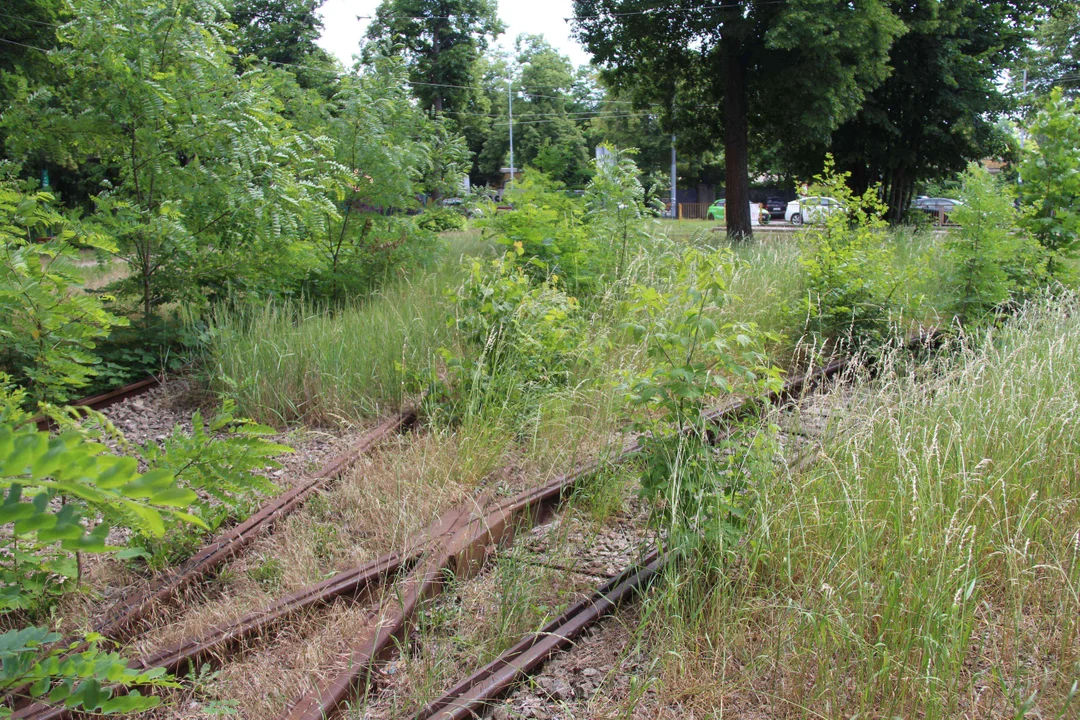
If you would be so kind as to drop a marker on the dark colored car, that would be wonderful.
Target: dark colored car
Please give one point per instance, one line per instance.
(937, 208)
(776, 207)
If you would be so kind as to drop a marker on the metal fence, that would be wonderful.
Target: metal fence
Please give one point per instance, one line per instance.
(694, 211)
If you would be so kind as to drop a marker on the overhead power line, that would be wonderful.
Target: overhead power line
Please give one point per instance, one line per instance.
(29, 20)
(32, 47)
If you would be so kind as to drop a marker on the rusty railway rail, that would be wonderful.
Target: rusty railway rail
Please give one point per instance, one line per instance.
(457, 543)
(104, 400)
(124, 618)
(465, 553)
(472, 697)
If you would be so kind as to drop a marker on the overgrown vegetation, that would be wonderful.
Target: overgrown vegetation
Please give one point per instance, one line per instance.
(924, 560)
(283, 221)
(49, 329)
(62, 494)
(852, 278)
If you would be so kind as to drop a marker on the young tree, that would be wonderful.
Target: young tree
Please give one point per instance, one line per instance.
(205, 179)
(390, 152)
(48, 327)
(988, 259)
(1050, 175)
(441, 41)
(796, 68)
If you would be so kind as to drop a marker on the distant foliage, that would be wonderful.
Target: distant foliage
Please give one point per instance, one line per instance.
(442, 220)
(850, 278)
(49, 328)
(1050, 179)
(990, 260)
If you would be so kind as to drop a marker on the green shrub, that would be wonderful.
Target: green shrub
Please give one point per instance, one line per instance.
(546, 225)
(48, 327)
(615, 202)
(701, 490)
(60, 496)
(219, 459)
(361, 256)
(517, 325)
(847, 258)
(1050, 175)
(989, 260)
(439, 220)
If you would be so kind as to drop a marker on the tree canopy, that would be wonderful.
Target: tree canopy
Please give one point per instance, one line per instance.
(796, 69)
(441, 41)
(937, 109)
(1053, 57)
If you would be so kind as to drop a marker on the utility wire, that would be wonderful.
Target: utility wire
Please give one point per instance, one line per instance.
(30, 20)
(32, 47)
(628, 13)
(595, 113)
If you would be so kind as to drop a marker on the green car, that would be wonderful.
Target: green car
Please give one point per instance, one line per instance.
(716, 210)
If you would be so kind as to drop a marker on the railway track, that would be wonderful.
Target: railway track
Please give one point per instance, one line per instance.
(122, 620)
(455, 546)
(104, 400)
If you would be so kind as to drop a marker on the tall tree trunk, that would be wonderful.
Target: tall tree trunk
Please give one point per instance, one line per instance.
(437, 77)
(899, 194)
(736, 143)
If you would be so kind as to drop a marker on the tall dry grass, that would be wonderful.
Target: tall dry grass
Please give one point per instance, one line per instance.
(926, 563)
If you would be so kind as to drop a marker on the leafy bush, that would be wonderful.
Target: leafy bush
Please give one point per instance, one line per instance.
(989, 259)
(81, 680)
(615, 200)
(530, 329)
(546, 226)
(48, 327)
(702, 490)
(357, 261)
(850, 279)
(1050, 175)
(441, 220)
(219, 460)
(60, 495)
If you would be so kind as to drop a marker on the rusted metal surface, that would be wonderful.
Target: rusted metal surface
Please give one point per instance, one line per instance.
(471, 697)
(459, 544)
(104, 400)
(388, 624)
(123, 618)
(466, 552)
(462, 555)
(350, 583)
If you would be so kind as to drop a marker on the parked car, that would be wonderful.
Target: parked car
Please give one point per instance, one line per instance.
(776, 207)
(935, 206)
(467, 209)
(716, 210)
(811, 209)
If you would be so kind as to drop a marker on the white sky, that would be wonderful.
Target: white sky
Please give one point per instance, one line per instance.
(342, 31)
